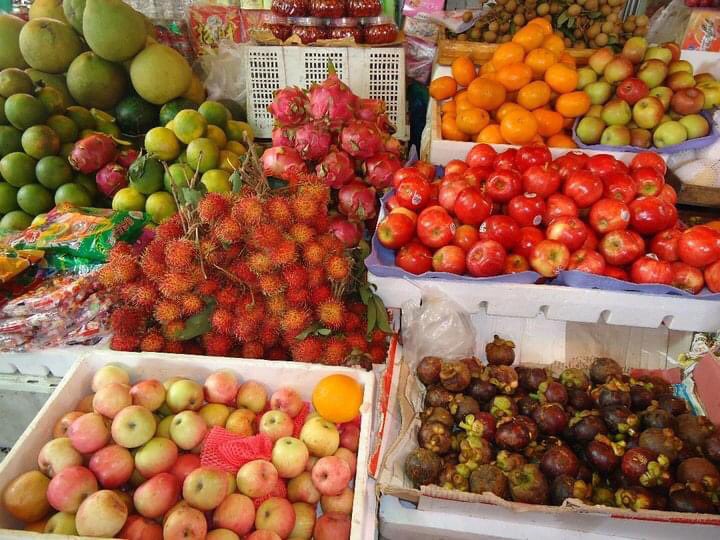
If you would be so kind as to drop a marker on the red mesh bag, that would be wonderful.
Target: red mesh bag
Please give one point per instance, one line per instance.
(299, 420)
(228, 451)
(280, 490)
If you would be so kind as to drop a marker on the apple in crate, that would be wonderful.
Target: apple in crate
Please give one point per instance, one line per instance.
(149, 394)
(112, 466)
(188, 429)
(221, 387)
(61, 523)
(276, 515)
(185, 522)
(257, 478)
(155, 456)
(302, 489)
(56, 455)
(287, 400)
(156, 496)
(252, 395)
(332, 526)
(320, 436)
(184, 395)
(696, 125)
(205, 488)
(70, 487)
(111, 399)
(331, 475)
(109, 374)
(133, 426)
(276, 425)
(305, 515)
(342, 503)
(102, 514)
(290, 455)
(235, 513)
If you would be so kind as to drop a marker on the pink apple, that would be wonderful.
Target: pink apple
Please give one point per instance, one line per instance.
(276, 425)
(242, 421)
(287, 400)
(149, 394)
(184, 465)
(257, 478)
(222, 534)
(133, 426)
(342, 503)
(109, 374)
(61, 426)
(185, 523)
(236, 513)
(350, 437)
(140, 528)
(156, 496)
(332, 526)
(85, 404)
(276, 515)
(252, 395)
(156, 456)
(184, 395)
(111, 399)
(302, 489)
(304, 520)
(188, 429)
(312, 460)
(289, 455)
(320, 436)
(69, 487)
(205, 488)
(331, 475)
(221, 387)
(102, 514)
(56, 455)
(263, 535)
(113, 466)
(348, 457)
(215, 414)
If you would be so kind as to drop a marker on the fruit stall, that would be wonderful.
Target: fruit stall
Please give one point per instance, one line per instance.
(359, 269)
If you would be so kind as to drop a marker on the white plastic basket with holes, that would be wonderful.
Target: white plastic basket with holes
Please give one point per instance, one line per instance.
(376, 73)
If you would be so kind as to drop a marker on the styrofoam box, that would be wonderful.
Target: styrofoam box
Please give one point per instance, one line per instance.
(47, 362)
(76, 384)
(370, 72)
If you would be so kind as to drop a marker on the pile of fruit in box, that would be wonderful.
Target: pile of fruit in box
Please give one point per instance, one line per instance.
(646, 96)
(596, 435)
(180, 459)
(501, 213)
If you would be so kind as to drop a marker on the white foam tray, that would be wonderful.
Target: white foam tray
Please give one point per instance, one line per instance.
(48, 362)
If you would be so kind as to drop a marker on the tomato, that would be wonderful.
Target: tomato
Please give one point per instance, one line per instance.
(649, 269)
(414, 258)
(486, 258)
(668, 194)
(649, 159)
(435, 227)
(476, 176)
(456, 166)
(506, 159)
(549, 258)
(515, 263)
(558, 205)
(621, 247)
(609, 215)
(466, 236)
(650, 215)
(407, 172)
(527, 209)
(699, 246)
(450, 188)
(687, 278)
(504, 229)
(569, 163)
(649, 181)
(601, 165)
(542, 180)
(568, 230)
(503, 185)
(665, 244)
(414, 193)
(616, 272)
(426, 169)
(529, 238)
(395, 230)
(587, 260)
(449, 259)
(471, 207)
(584, 188)
(533, 155)
(481, 155)
(620, 186)
(712, 277)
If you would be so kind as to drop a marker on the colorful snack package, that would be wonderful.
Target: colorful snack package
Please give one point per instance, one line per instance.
(14, 261)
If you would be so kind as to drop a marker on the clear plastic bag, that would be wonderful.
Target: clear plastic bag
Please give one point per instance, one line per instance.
(224, 71)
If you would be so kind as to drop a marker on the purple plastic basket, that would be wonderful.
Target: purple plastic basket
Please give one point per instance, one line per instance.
(692, 144)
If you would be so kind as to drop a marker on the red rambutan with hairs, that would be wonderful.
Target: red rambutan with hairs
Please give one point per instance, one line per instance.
(216, 344)
(259, 262)
(180, 254)
(152, 342)
(244, 329)
(271, 284)
(222, 321)
(269, 331)
(170, 229)
(308, 350)
(378, 336)
(208, 287)
(251, 307)
(228, 231)
(316, 276)
(297, 297)
(213, 207)
(276, 304)
(279, 210)
(175, 283)
(190, 304)
(127, 321)
(191, 347)
(302, 233)
(358, 308)
(265, 236)
(305, 207)
(248, 210)
(125, 342)
(313, 253)
(331, 244)
(173, 347)
(141, 294)
(284, 253)
(228, 296)
(212, 252)
(167, 311)
(276, 353)
(294, 321)
(331, 313)
(320, 294)
(120, 270)
(241, 270)
(173, 330)
(338, 267)
(357, 341)
(335, 351)
(121, 249)
(322, 221)
(353, 322)
(252, 349)
(295, 276)
(152, 262)
(378, 353)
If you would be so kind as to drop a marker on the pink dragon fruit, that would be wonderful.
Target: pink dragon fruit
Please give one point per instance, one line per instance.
(111, 179)
(290, 106)
(336, 169)
(282, 162)
(348, 233)
(361, 140)
(92, 153)
(373, 111)
(332, 99)
(379, 169)
(357, 201)
(283, 136)
(127, 157)
(312, 141)
(394, 146)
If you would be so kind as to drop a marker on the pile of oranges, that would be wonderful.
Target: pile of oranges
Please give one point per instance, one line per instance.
(527, 93)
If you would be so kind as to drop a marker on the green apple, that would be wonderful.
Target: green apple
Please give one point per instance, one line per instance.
(599, 92)
(618, 69)
(185, 394)
(652, 72)
(586, 75)
(601, 58)
(634, 49)
(669, 134)
(679, 80)
(664, 94)
(648, 112)
(595, 111)
(658, 53)
(615, 136)
(704, 77)
(696, 125)
(590, 129)
(711, 91)
(680, 65)
(616, 113)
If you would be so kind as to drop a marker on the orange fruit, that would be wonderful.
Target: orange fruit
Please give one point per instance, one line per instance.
(472, 121)
(518, 127)
(561, 141)
(490, 135)
(337, 398)
(554, 44)
(449, 107)
(487, 67)
(507, 53)
(486, 94)
(568, 122)
(567, 59)
(462, 102)
(573, 104)
(534, 95)
(539, 61)
(504, 109)
(514, 76)
(443, 88)
(529, 37)
(537, 139)
(549, 122)
(463, 70)
(449, 129)
(544, 24)
(561, 78)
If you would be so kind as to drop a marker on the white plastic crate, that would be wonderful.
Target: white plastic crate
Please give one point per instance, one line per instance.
(372, 72)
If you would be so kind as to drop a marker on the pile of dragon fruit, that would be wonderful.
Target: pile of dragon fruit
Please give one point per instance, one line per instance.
(100, 155)
(344, 140)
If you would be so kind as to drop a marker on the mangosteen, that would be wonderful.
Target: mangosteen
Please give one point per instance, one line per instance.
(474, 366)
(712, 447)
(462, 405)
(454, 376)
(603, 455)
(661, 441)
(575, 378)
(531, 426)
(504, 378)
(567, 487)
(428, 370)
(530, 378)
(487, 478)
(422, 467)
(579, 400)
(450, 459)
(437, 396)
(512, 434)
(528, 485)
(502, 406)
(641, 397)
(693, 429)
(551, 418)
(456, 477)
(437, 414)
(687, 500)
(620, 420)
(635, 498)
(603, 496)
(559, 460)
(482, 424)
(509, 461)
(586, 425)
(475, 450)
(584, 473)
(527, 405)
(500, 352)
(482, 391)
(435, 437)
(612, 393)
(656, 418)
(701, 471)
(646, 467)
(672, 404)
(552, 392)
(604, 369)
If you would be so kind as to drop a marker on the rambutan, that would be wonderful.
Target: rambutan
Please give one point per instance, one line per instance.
(294, 321)
(212, 252)
(320, 294)
(190, 304)
(175, 283)
(167, 311)
(302, 233)
(357, 342)
(265, 236)
(295, 276)
(276, 353)
(152, 262)
(276, 304)
(259, 262)
(353, 322)
(173, 347)
(170, 229)
(213, 207)
(141, 294)
(358, 308)
(152, 342)
(284, 253)
(305, 207)
(127, 321)
(378, 353)
(338, 267)
(252, 308)
(279, 210)
(173, 330)
(125, 342)
(297, 297)
(120, 270)
(228, 296)
(318, 191)
(271, 284)
(313, 253)
(269, 331)
(252, 349)
(331, 243)
(121, 249)
(227, 231)
(378, 336)
(241, 270)
(244, 329)
(322, 221)
(248, 210)
(216, 344)
(331, 313)
(335, 351)
(180, 254)
(308, 350)
(222, 321)
(316, 276)
(191, 347)
(208, 287)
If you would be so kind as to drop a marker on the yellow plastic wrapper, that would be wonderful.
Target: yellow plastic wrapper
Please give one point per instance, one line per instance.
(15, 261)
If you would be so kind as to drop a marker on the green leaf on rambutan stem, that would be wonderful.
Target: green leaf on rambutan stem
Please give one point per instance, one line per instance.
(236, 181)
(192, 196)
(382, 318)
(371, 317)
(323, 331)
(309, 330)
(199, 324)
(365, 294)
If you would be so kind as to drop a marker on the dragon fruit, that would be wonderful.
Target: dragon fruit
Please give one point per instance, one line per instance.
(111, 179)
(373, 111)
(127, 157)
(348, 233)
(282, 162)
(312, 141)
(361, 140)
(336, 169)
(283, 136)
(357, 201)
(332, 99)
(290, 106)
(92, 153)
(394, 146)
(379, 169)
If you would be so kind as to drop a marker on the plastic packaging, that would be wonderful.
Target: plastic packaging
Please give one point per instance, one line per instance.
(364, 8)
(346, 27)
(419, 57)
(379, 30)
(279, 26)
(308, 29)
(329, 9)
(290, 8)
(210, 25)
(15, 261)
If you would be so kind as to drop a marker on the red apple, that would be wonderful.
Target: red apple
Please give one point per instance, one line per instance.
(665, 244)
(558, 205)
(712, 277)
(435, 227)
(413, 193)
(506, 159)
(542, 180)
(529, 237)
(549, 258)
(648, 180)
(471, 207)
(407, 172)
(621, 247)
(502, 228)
(602, 165)
(609, 215)
(699, 246)
(486, 258)
(527, 209)
(616, 272)
(668, 194)
(476, 176)
(455, 166)
(649, 159)
(687, 101)
(584, 188)
(449, 259)
(568, 230)
(466, 236)
(620, 186)
(687, 278)
(414, 258)
(449, 190)
(650, 215)
(570, 162)
(395, 230)
(426, 169)
(591, 242)
(649, 269)
(515, 263)
(503, 185)
(535, 155)
(587, 260)
(481, 155)
(632, 90)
